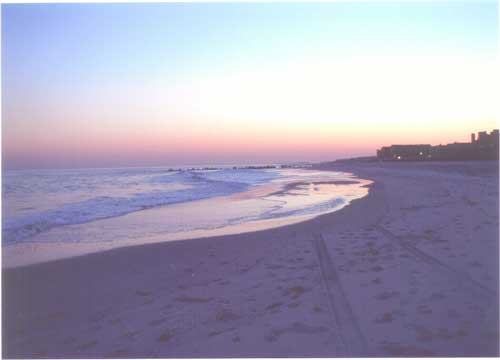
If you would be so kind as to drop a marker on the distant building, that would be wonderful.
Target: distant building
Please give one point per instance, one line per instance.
(405, 152)
(485, 147)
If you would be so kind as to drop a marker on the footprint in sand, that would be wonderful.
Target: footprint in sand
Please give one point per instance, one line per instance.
(142, 293)
(444, 334)
(165, 337)
(274, 267)
(274, 306)
(297, 328)
(384, 318)
(215, 333)
(424, 309)
(387, 295)
(87, 345)
(400, 350)
(317, 309)
(94, 328)
(424, 334)
(118, 353)
(157, 322)
(57, 315)
(130, 334)
(437, 296)
(41, 354)
(226, 315)
(69, 340)
(295, 291)
(193, 299)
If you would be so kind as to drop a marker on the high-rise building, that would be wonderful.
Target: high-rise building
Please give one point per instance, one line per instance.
(482, 136)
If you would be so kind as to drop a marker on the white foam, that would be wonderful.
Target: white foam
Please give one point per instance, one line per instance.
(197, 185)
(38, 202)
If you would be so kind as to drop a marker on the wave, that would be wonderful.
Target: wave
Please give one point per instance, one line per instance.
(279, 212)
(202, 185)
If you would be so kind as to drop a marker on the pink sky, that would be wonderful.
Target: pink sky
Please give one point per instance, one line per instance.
(226, 84)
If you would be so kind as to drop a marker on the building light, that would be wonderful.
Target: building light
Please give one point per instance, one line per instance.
(399, 157)
(421, 153)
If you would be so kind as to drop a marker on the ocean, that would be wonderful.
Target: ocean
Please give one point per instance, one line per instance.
(51, 214)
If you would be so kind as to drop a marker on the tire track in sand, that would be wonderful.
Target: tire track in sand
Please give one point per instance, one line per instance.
(461, 277)
(352, 340)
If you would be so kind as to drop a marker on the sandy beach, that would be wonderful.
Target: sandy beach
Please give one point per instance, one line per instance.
(409, 270)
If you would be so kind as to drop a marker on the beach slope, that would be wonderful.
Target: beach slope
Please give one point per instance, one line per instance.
(409, 270)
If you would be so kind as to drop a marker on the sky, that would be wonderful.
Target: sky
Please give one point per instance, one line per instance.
(159, 84)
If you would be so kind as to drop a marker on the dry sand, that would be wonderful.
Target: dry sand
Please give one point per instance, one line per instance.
(409, 270)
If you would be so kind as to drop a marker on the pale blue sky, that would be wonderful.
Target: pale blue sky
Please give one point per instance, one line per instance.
(59, 60)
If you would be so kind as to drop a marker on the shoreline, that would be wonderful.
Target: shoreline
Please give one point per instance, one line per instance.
(263, 232)
(77, 239)
(282, 291)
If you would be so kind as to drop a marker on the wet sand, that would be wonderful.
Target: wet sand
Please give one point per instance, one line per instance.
(409, 270)
(259, 208)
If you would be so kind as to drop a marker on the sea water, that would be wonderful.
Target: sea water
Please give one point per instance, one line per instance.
(51, 214)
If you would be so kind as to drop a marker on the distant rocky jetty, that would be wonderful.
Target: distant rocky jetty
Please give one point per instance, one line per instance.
(247, 167)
